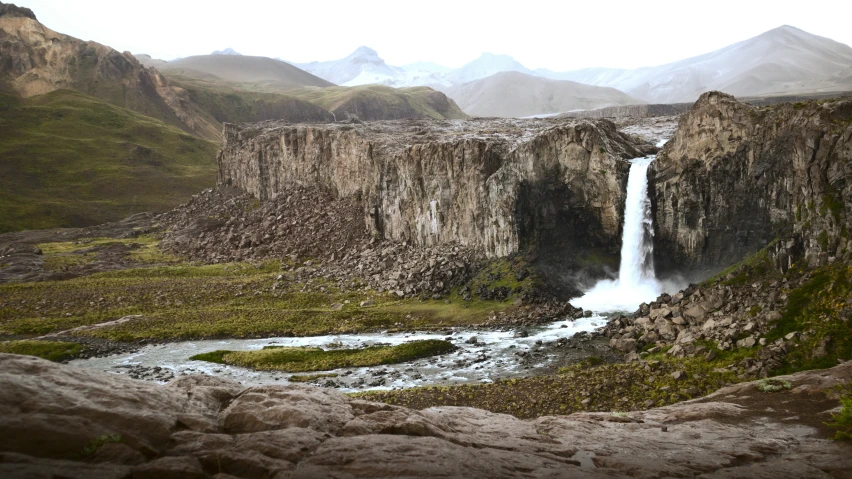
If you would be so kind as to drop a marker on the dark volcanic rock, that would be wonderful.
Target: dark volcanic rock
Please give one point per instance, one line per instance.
(736, 177)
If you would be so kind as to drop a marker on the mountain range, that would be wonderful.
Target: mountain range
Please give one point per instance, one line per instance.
(516, 94)
(784, 60)
(781, 61)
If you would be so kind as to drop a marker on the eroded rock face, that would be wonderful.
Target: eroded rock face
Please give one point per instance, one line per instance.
(736, 177)
(495, 185)
(59, 420)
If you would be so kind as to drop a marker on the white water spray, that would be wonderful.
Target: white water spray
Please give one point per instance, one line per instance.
(636, 282)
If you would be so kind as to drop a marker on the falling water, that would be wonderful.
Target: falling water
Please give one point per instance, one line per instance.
(637, 260)
(636, 282)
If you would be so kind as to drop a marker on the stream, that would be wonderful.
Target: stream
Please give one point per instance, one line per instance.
(494, 355)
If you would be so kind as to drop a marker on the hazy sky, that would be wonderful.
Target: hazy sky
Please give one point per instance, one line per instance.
(560, 35)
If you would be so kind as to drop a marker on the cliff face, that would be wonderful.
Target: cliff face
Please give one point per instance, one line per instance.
(736, 177)
(496, 185)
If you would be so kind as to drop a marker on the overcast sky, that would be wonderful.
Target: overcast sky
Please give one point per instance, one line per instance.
(560, 35)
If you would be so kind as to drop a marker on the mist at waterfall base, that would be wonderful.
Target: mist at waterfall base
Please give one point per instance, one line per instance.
(636, 283)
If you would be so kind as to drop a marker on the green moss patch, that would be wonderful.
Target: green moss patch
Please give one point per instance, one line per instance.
(51, 350)
(92, 447)
(820, 311)
(290, 359)
(841, 422)
(757, 267)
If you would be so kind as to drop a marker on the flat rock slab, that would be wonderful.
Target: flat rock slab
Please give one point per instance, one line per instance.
(57, 420)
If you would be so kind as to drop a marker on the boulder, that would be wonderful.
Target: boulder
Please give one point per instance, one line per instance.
(623, 345)
(696, 313)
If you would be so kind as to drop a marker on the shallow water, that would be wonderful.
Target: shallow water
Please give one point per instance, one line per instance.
(492, 357)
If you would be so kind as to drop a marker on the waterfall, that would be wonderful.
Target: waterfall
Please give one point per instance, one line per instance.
(636, 282)
(637, 240)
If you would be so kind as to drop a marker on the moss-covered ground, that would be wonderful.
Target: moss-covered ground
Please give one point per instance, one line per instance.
(821, 308)
(61, 256)
(237, 300)
(67, 159)
(52, 350)
(293, 359)
(609, 387)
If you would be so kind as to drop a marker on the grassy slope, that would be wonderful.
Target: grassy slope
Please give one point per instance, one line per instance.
(231, 103)
(397, 102)
(67, 159)
(245, 101)
(52, 350)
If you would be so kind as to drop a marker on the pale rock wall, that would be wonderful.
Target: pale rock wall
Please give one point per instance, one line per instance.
(470, 171)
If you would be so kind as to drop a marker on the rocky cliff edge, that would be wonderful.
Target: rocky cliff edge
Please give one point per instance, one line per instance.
(736, 178)
(496, 185)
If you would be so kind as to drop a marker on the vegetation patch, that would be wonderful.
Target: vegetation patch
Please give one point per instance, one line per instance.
(104, 162)
(67, 255)
(51, 350)
(290, 359)
(818, 311)
(608, 387)
(771, 385)
(757, 267)
(841, 422)
(499, 280)
(238, 300)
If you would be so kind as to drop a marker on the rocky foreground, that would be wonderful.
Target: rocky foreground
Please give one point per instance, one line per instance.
(59, 421)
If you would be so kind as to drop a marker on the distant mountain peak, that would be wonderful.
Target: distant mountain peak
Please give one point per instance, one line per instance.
(365, 54)
(365, 51)
(227, 51)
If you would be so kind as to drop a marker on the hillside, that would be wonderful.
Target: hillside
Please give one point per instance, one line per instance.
(515, 94)
(377, 102)
(250, 73)
(67, 159)
(224, 102)
(785, 60)
(38, 60)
